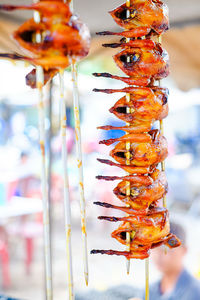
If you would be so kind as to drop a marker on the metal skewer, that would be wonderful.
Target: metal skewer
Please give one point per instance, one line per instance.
(79, 163)
(67, 208)
(162, 132)
(147, 278)
(80, 169)
(46, 215)
(128, 191)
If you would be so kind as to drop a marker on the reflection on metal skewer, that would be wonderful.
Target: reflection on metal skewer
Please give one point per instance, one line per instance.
(67, 209)
(46, 218)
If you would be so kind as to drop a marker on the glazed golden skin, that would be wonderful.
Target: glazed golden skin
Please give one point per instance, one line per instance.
(147, 105)
(142, 154)
(148, 62)
(152, 64)
(141, 149)
(64, 38)
(145, 16)
(148, 229)
(142, 195)
(146, 232)
(144, 191)
(60, 39)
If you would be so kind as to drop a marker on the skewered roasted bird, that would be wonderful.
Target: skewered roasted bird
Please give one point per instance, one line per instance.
(141, 154)
(144, 191)
(145, 17)
(146, 232)
(146, 106)
(58, 39)
(64, 38)
(142, 195)
(142, 59)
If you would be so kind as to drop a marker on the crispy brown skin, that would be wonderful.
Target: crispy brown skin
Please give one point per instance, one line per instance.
(64, 37)
(148, 62)
(144, 62)
(150, 231)
(142, 154)
(145, 16)
(142, 196)
(147, 105)
(141, 149)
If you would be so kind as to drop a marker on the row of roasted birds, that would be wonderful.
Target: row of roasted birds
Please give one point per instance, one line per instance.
(66, 39)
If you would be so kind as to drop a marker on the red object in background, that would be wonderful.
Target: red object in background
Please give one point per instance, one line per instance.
(4, 258)
(4, 255)
(29, 253)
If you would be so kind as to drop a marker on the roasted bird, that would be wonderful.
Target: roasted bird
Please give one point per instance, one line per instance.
(147, 59)
(146, 106)
(146, 232)
(144, 191)
(141, 195)
(143, 60)
(139, 152)
(142, 18)
(64, 38)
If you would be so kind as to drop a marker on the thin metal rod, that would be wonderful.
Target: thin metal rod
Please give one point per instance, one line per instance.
(79, 161)
(50, 157)
(67, 208)
(128, 239)
(46, 215)
(163, 162)
(147, 279)
(162, 132)
(80, 169)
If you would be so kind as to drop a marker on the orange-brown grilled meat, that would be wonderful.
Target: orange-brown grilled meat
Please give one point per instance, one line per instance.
(47, 9)
(64, 38)
(142, 154)
(152, 64)
(144, 191)
(146, 17)
(146, 232)
(142, 59)
(141, 195)
(58, 39)
(146, 106)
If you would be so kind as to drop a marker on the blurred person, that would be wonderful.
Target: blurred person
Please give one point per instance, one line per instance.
(176, 283)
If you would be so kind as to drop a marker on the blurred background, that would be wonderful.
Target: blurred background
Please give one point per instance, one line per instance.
(21, 243)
